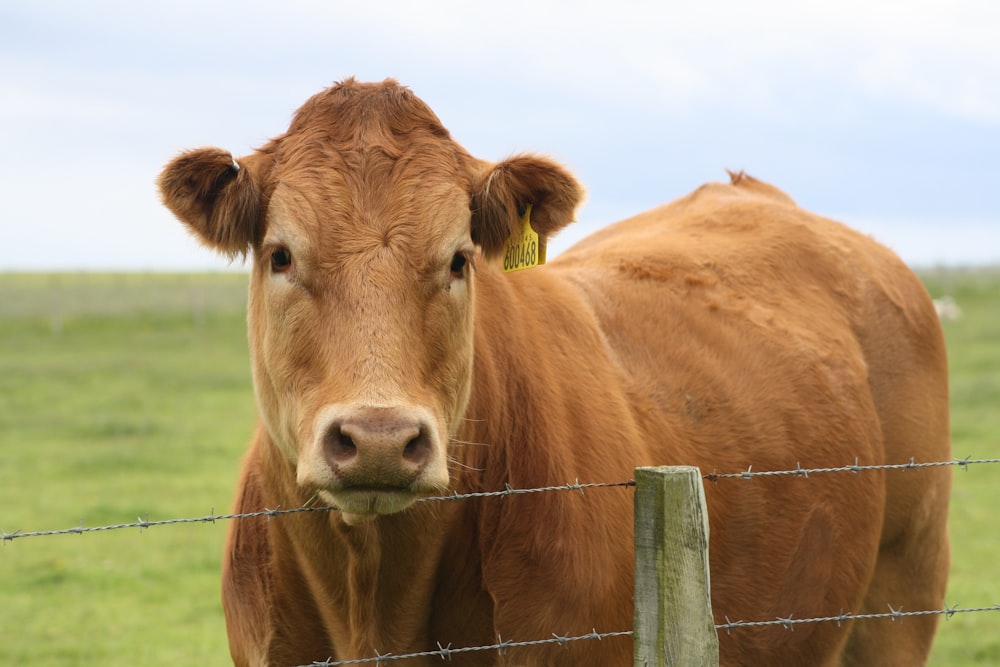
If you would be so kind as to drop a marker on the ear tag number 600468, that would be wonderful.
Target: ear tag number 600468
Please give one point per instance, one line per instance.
(523, 249)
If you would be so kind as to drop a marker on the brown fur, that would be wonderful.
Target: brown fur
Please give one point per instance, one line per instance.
(727, 329)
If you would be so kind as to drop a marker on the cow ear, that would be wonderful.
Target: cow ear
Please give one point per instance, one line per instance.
(507, 190)
(218, 198)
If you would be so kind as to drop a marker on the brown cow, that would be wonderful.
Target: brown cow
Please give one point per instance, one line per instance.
(392, 359)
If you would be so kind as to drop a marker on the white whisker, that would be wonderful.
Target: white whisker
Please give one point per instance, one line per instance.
(467, 442)
(463, 465)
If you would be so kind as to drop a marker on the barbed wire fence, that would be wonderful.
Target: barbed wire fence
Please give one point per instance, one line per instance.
(212, 517)
(798, 471)
(502, 646)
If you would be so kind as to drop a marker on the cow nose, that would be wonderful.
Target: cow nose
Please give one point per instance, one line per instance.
(377, 447)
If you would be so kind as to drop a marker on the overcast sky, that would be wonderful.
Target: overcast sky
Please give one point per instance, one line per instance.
(884, 114)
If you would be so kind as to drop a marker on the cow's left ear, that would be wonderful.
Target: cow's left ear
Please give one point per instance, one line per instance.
(219, 199)
(506, 191)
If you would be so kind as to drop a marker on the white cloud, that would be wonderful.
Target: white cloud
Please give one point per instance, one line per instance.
(678, 55)
(643, 100)
(23, 104)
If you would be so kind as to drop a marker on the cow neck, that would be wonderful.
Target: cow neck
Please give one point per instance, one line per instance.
(364, 552)
(513, 381)
(389, 579)
(373, 583)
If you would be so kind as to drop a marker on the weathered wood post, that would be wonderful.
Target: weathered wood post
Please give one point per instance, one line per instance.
(673, 607)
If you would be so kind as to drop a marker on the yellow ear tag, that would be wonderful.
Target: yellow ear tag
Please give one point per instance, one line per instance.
(523, 249)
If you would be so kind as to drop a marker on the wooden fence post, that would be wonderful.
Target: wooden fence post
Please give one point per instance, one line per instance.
(673, 607)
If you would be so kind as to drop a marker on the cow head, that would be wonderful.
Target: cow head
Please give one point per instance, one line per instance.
(366, 225)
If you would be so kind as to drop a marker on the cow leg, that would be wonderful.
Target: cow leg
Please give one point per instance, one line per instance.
(911, 575)
(909, 380)
(908, 584)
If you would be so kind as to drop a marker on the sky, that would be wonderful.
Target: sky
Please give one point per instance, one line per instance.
(883, 114)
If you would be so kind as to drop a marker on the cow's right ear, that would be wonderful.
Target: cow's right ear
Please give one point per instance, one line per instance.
(219, 199)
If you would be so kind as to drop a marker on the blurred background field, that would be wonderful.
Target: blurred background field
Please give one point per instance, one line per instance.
(56, 297)
(121, 396)
(126, 396)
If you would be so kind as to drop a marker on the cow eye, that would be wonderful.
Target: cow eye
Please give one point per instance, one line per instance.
(458, 263)
(281, 260)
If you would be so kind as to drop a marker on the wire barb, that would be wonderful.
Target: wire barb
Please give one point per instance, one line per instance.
(445, 651)
(9, 537)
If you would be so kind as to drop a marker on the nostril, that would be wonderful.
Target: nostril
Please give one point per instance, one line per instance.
(340, 446)
(417, 450)
(345, 443)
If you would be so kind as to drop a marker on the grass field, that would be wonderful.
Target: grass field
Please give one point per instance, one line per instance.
(126, 396)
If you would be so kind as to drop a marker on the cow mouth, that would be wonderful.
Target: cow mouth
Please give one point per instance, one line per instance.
(361, 504)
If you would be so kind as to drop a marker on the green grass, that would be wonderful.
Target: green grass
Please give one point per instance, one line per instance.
(120, 397)
(974, 371)
(126, 396)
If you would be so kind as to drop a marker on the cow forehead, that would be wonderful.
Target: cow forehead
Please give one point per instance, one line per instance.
(360, 111)
(366, 164)
(370, 134)
(328, 215)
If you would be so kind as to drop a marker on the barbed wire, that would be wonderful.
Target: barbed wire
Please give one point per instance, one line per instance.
(445, 652)
(799, 471)
(143, 524)
(510, 491)
(789, 623)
